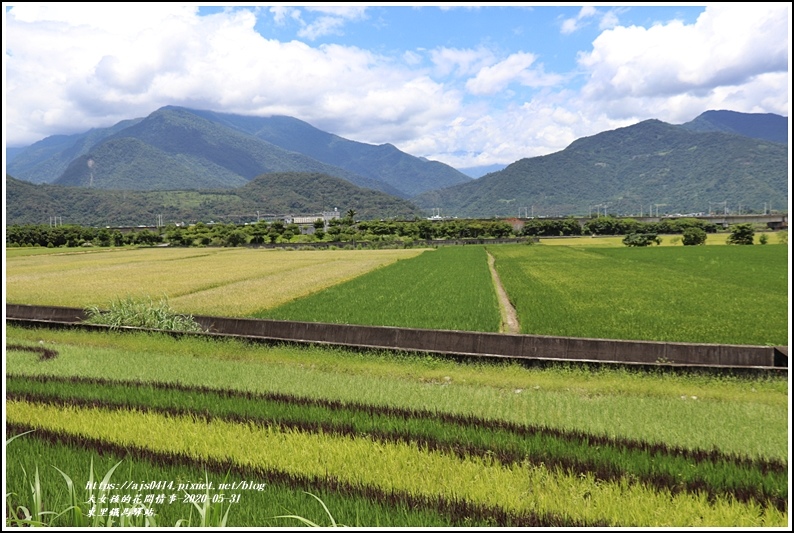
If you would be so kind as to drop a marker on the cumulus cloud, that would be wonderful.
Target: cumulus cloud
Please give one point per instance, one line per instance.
(71, 79)
(728, 46)
(70, 69)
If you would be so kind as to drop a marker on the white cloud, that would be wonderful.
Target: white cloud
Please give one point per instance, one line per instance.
(70, 69)
(461, 62)
(65, 79)
(282, 13)
(570, 25)
(514, 69)
(331, 22)
(321, 27)
(609, 20)
(729, 46)
(349, 12)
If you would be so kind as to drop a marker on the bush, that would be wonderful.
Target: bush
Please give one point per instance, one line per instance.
(641, 239)
(782, 237)
(693, 236)
(741, 234)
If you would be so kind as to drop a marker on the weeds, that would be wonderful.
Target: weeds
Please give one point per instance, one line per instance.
(142, 313)
(83, 512)
(308, 522)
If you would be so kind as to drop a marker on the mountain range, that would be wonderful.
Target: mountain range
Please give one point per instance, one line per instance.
(180, 148)
(720, 157)
(628, 170)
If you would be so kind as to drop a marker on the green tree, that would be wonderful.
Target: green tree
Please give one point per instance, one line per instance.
(235, 238)
(641, 239)
(693, 236)
(741, 234)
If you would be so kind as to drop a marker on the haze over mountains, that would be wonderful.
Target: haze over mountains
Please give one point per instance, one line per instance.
(736, 160)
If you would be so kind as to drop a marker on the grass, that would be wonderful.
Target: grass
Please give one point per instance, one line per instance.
(141, 313)
(727, 295)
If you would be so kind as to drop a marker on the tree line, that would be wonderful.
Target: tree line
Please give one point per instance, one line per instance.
(344, 229)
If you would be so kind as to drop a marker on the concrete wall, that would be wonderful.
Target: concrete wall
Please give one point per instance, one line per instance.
(463, 342)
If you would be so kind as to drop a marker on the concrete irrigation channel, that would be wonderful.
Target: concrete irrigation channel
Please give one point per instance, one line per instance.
(531, 349)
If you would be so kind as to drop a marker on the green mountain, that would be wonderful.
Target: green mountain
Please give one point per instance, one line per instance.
(276, 193)
(766, 126)
(629, 169)
(180, 148)
(385, 163)
(175, 149)
(45, 160)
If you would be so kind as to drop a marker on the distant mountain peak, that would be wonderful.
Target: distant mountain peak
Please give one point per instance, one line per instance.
(766, 126)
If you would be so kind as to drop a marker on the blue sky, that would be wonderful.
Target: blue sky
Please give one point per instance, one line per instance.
(467, 85)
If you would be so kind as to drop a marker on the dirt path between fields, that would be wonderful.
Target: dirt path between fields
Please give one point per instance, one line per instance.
(509, 316)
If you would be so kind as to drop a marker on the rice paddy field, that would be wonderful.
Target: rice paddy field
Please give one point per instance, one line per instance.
(448, 288)
(199, 428)
(146, 429)
(717, 294)
(705, 294)
(211, 281)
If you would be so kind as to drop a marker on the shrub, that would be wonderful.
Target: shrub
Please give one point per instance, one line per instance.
(763, 239)
(693, 236)
(641, 239)
(741, 234)
(782, 237)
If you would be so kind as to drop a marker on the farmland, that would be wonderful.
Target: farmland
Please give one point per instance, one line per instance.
(215, 281)
(391, 439)
(302, 418)
(718, 294)
(422, 293)
(711, 294)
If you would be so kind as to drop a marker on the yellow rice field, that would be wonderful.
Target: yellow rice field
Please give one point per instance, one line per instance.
(217, 281)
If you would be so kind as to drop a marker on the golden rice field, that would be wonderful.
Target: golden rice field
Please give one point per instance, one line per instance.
(218, 281)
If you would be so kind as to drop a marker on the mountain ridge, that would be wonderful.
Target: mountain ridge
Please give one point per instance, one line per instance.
(215, 146)
(628, 170)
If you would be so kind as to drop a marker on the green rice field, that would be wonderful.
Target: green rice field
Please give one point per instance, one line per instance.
(717, 294)
(504, 445)
(449, 288)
